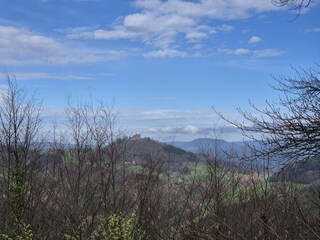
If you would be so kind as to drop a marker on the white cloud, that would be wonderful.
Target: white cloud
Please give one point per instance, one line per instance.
(152, 29)
(191, 132)
(110, 35)
(242, 51)
(57, 76)
(191, 129)
(70, 30)
(226, 28)
(214, 9)
(177, 125)
(269, 52)
(163, 23)
(197, 46)
(187, 129)
(164, 124)
(254, 40)
(20, 43)
(85, 57)
(313, 30)
(19, 46)
(165, 53)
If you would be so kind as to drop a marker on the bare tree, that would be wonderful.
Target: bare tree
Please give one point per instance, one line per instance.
(20, 152)
(84, 186)
(288, 129)
(297, 4)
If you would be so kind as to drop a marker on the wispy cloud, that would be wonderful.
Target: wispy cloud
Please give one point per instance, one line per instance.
(165, 53)
(178, 124)
(260, 53)
(162, 124)
(313, 30)
(269, 52)
(214, 9)
(187, 129)
(57, 76)
(19, 46)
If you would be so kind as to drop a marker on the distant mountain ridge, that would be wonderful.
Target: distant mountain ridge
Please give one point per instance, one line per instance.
(208, 144)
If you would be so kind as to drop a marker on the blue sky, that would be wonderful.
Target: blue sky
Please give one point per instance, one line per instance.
(164, 63)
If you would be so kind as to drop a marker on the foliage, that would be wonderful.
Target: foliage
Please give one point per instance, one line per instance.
(22, 231)
(117, 227)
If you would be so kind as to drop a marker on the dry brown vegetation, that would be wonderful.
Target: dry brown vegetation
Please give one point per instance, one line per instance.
(87, 189)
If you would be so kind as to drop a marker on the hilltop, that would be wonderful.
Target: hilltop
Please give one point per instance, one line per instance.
(143, 149)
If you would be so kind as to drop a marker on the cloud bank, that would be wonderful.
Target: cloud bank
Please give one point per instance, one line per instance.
(166, 25)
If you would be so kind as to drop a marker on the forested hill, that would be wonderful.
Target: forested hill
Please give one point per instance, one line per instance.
(143, 149)
(306, 172)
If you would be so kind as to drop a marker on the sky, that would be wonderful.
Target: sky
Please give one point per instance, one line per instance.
(164, 64)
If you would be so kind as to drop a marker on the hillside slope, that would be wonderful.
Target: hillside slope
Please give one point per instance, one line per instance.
(305, 172)
(141, 150)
